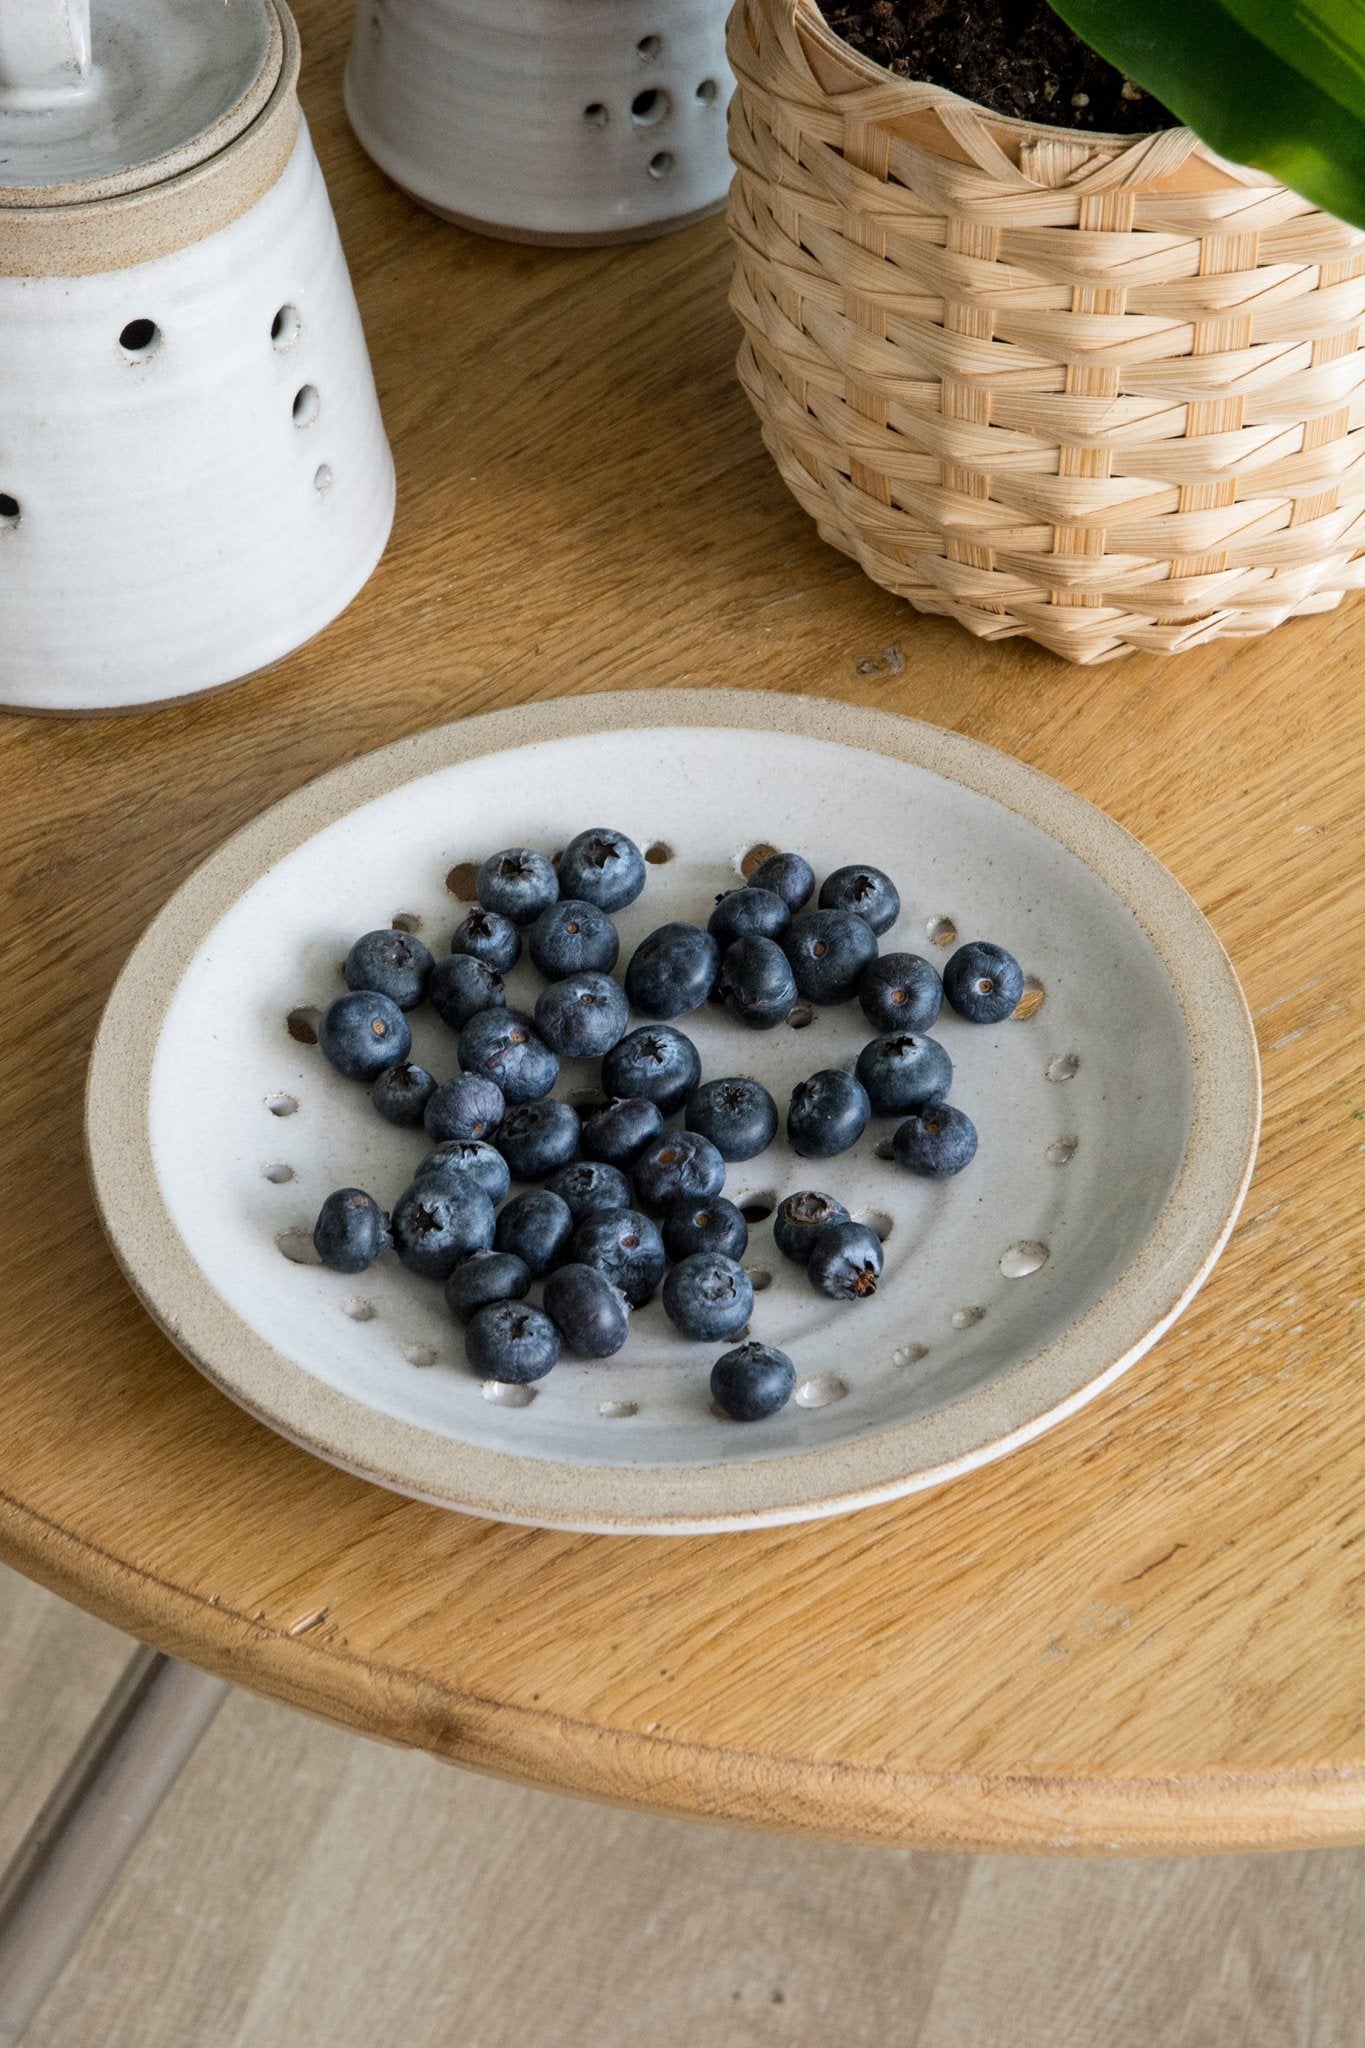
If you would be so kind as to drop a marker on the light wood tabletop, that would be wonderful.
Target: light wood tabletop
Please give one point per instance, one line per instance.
(1140, 1633)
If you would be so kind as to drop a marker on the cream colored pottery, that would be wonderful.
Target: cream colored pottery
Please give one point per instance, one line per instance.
(1118, 1121)
(194, 476)
(547, 120)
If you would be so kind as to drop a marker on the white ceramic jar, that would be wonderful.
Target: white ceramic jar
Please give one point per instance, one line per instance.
(562, 121)
(194, 476)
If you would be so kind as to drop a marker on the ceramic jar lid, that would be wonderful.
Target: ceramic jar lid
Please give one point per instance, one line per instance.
(100, 97)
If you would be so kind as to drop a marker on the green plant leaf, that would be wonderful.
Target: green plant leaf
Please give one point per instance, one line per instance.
(1278, 84)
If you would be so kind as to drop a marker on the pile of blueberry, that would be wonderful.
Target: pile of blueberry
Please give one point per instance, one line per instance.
(628, 1202)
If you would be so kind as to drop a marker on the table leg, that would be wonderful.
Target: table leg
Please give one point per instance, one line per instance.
(66, 1863)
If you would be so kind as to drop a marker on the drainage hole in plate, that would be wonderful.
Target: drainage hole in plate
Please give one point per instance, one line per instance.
(1019, 1260)
(139, 340)
(302, 1024)
(800, 1015)
(277, 1172)
(909, 1354)
(281, 1105)
(941, 930)
(759, 1278)
(650, 47)
(358, 1309)
(661, 164)
(596, 115)
(650, 107)
(405, 921)
(884, 1149)
(9, 509)
(820, 1391)
(506, 1394)
(463, 881)
(1064, 1067)
(757, 1208)
(964, 1318)
(418, 1354)
(658, 853)
(1061, 1151)
(286, 327)
(307, 405)
(298, 1247)
(877, 1220)
(617, 1411)
(708, 92)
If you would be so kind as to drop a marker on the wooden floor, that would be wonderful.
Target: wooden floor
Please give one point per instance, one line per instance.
(306, 1888)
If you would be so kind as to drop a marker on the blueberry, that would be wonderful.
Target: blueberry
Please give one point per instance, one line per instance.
(488, 937)
(867, 892)
(402, 1093)
(757, 983)
(535, 1227)
(602, 867)
(437, 1223)
(583, 1016)
(395, 964)
(484, 1277)
(363, 1033)
(677, 1166)
(503, 1046)
(748, 914)
(588, 1185)
(710, 1225)
(800, 1219)
(900, 992)
(350, 1232)
(518, 884)
(655, 1061)
(573, 938)
(708, 1296)
(458, 1160)
(829, 951)
(845, 1262)
(738, 1116)
(752, 1381)
(827, 1114)
(936, 1141)
(672, 971)
(983, 982)
(625, 1246)
(620, 1130)
(467, 1107)
(512, 1342)
(536, 1137)
(462, 987)
(591, 1315)
(903, 1072)
(788, 876)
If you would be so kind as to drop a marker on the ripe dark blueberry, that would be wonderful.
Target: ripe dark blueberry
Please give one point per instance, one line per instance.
(536, 1137)
(708, 1296)
(457, 1160)
(829, 951)
(484, 1277)
(518, 884)
(620, 1130)
(573, 937)
(488, 937)
(748, 914)
(657, 1062)
(827, 1114)
(900, 992)
(402, 1093)
(712, 1225)
(903, 1072)
(983, 982)
(752, 1381)
(738, 1116)
(394, 963)
(757, 983)
(535, 1227)
(845, 1262)
(512, 1342)
(350, 1232)
(437, 1223)
(462, 987)
(602, 867)
(591, 1315)
(867, 892)
(363, 1033)
(504, 1046)
(677, 1166)
(625, 1246)
(588, 1185)
(799, 1220)
(583, 1016)
(672, 971)
(936, 1142)
(789, 876)
(466, 1107)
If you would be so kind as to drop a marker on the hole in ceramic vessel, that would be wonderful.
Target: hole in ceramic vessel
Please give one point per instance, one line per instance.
(708, 92)
(298, 1247)
(303, 1025)
(820, 1391)
(759, 1278)
(281, 1105)
(658, 853)
(909, 1354)
(139, 339)
(286, 327)
(277, 1172)
(9, 509)
(755, 857)
(307, 405)
(617, 1411)
(963, 1318)
(418, 1354)
(800, 1015)
(405, 921)
(358, 1309)
(650, 47)
(596, 115)
(662, 164)
(876, 1220)
(504, 1394)
(1064, 1067)
(322, 478)
(463, 880)
(1023, 1258)
(650, 107)
(884, 1149)
(941, 930)
(1030, 1002)
(757, 1208)
(1061, 1151)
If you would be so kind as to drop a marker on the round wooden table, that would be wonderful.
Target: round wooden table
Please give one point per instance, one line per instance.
(1141, 1633)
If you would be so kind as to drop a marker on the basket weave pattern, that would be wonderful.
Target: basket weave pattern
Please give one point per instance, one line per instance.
(1103, 392)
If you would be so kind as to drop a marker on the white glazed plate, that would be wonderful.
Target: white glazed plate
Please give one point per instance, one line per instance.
(1118, 1122)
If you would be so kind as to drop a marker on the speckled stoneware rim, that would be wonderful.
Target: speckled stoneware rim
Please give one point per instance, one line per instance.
(1039, 1390)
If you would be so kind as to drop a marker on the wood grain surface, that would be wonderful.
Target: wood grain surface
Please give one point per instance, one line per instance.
(1142, 1633)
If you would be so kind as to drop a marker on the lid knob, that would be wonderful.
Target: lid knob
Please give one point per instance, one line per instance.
(44, 48)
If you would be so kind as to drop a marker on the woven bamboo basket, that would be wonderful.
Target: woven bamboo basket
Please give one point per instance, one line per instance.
(1102, 391)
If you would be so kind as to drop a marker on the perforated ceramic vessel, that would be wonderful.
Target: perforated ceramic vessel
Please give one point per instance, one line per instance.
(1118, 1120)
(194, 477)
(568, 121)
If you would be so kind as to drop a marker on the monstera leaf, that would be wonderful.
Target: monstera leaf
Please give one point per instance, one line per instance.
(1279, 84)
